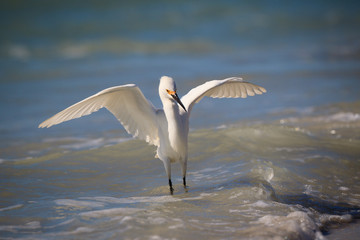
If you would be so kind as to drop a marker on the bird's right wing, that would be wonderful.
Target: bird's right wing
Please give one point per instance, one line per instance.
(126, 103)
(228, 88)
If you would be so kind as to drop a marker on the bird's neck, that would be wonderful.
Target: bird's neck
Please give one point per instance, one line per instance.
(173, 117)
(177, 127)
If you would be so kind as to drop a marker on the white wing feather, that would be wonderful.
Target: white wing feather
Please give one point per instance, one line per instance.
(126, 103)
(228, 88)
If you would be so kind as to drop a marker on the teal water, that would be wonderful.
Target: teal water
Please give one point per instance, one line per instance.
(284, 164)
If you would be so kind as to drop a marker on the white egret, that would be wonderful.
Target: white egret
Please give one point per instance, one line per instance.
(165, 128)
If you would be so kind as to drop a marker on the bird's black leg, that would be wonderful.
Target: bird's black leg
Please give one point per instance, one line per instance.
(184, 182)
(171, 187)
(183, 168)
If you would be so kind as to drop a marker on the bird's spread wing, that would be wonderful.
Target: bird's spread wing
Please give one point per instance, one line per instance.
(126, 103)
(228, 88)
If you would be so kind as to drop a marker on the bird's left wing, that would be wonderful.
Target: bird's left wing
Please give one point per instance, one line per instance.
(126, 103)
(228, 88)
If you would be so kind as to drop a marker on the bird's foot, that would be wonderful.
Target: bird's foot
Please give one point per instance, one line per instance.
(171, 187)
(184, 183)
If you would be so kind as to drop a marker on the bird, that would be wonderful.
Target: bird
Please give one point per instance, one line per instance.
(165, 128)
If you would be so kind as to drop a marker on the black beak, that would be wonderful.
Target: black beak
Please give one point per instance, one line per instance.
(177, 99)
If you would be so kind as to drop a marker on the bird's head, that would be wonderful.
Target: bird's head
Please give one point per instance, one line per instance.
(167, 90)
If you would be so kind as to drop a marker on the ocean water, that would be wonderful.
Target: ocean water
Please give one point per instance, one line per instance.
(283, 165)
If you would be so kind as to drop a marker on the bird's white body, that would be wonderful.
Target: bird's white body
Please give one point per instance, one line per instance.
(174, 129)
(165, 128)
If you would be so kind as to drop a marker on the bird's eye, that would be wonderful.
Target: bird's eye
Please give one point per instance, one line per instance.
(171, 92)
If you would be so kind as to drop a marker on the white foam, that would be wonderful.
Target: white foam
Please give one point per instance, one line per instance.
(308, 189)
(82, 230)
(201, 196)
(326, 218)
(176, 226)
(235, 211)
(11, 207)
(236, 195)
(207, 173)
(161, 199)
(260, 204)
(155, 237)
(223, 126)
(156, 220)
(77, 203)
(110, 212)
(105, 199)
(342, 188)
(125, 219)
(268, 174)
(179, 224)
(337, 117)
(78, 230)
(60, 224)
(209, 169)
(154, 199)
(86, 143)
(101, 201)
(296, 223)
(28, 226)
(94, 143)
(344, 117)
(60, 139)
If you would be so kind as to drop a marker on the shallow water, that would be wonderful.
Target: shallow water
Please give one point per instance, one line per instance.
(292, 177)
(285, 164)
